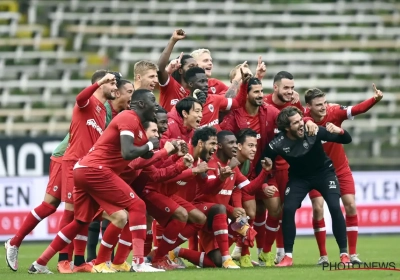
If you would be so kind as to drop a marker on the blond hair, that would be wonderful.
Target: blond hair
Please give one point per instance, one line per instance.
(141, 67)
(195, 54)
(232, 74)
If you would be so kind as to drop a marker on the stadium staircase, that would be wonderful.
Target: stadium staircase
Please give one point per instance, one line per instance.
(48, 50)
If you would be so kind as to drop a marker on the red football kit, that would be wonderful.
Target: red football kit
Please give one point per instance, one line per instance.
(216, 86)
(54, 186)
(281, 173)
(96, 175)
(87, 125)
(336, 114)
(171, 92)
(216, 103)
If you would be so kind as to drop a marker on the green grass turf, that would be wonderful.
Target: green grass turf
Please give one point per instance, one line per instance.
(380, 248)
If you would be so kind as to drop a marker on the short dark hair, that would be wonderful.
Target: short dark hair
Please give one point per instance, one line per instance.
(98, 75)
(244, 133)
(146, 124)
(176, 75)
(192, 72)
(121, 83)
(203, 134)
(282, 120)
(161, 110)
(222, 134)
(282, 75)
(186, 104)
(313, 93)
(139, 95)
(253, 81)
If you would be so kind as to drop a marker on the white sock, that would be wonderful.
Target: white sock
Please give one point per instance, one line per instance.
(237, 248)
(259, 250)
(280, 251)
(224, 258)
(289, 255)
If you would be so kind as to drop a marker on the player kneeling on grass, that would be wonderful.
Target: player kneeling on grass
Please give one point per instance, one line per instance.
(214, 202)
(268, 193)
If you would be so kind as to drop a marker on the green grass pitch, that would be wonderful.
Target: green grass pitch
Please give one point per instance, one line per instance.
(379, 248)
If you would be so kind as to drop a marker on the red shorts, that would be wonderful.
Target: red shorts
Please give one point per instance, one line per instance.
(187, 193)
(54, 186)
(207, 241)
(67, 181)
(162, 207)
(346, 182)
(204, 207)
(95, 188)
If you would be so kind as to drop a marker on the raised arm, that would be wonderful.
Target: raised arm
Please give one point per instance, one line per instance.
(163, 75)
(159, 175)
(332, 133)
(82, 99)
(129, 151)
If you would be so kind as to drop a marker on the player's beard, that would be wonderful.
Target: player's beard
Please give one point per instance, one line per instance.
(204, 154)
(282, 98)
(110, 95)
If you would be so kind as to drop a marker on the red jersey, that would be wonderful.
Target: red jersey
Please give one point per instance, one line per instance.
(87, 125)
(214, 104)
(220, 195)
(106, 152)
(335, 114)
(171, 92)
(216, 86)
(280, 163)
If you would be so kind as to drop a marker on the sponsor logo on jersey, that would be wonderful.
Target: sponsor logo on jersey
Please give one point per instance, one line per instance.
(286, 150)
(225, 192)
(214, 122)
(93, 124)
(174, 101)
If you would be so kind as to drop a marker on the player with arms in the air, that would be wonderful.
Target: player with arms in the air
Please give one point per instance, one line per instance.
(322, 114)
(310, 168)
(173, 87)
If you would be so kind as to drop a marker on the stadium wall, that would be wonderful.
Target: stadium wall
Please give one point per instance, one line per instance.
(24, 165)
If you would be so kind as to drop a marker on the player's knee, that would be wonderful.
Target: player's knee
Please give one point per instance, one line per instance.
(318, 208)
(119, 218)
(197, 217)
(216, 257)
(218, 209)
(181, 214)
(334, 207)
(289, 208)
(250, 212)
(48, 198)
(275, 210)
(69, 207)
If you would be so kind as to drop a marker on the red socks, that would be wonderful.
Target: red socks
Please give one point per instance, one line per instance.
(259, 227)
(320, 236)
(352, 233)
(31, 221)
(67, 218)
(124, 246)
(80, 242)
(109, 239)
(279, 236)
(169, 237)
(271, 229)
(193, 242)
(220, 229)
(197, 258)
(148, 243)
(63, 238)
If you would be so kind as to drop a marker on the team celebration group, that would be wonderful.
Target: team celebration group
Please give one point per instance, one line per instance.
(209, 164)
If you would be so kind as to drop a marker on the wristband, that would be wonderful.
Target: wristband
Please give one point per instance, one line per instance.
(151, 146)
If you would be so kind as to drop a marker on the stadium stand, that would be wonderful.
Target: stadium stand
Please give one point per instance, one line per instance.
(48, 49)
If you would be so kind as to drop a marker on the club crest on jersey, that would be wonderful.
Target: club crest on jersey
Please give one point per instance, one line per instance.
(305, 144)
(55, 188)
(167, 209)
(132, 195)
(287, 191)
(211, 108)
(213, 89)
(98, 109)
